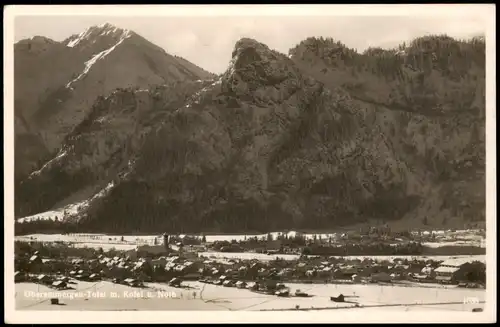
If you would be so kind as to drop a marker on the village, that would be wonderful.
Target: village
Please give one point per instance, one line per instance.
(176, 260)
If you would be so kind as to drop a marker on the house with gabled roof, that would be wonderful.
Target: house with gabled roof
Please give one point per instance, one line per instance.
(458, 269)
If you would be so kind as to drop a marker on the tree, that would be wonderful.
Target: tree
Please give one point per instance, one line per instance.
(307, 250)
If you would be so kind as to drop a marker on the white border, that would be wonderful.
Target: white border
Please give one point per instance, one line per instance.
(484, 11)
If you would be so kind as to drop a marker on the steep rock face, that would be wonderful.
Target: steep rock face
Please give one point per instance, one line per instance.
(284, 142)
(57, 82)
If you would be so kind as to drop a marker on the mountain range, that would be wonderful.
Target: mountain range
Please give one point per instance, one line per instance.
(113, 134)
(56, 83)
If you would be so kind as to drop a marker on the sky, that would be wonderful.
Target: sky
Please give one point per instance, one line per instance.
(208, 41)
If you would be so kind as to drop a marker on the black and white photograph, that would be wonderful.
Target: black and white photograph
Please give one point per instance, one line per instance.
(250, 163)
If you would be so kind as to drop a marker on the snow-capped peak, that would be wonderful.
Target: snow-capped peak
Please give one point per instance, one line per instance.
(101, 55)
(93, 32)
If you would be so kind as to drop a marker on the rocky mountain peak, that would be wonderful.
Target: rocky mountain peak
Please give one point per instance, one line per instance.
(246, 43)
(257, 69)
(97, 33)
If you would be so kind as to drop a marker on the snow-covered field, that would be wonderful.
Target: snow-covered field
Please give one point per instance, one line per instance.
(98, 296)
(106, 246)
(265, 257)
(89, 238)
(248, 256)
(147, 239)
(480, 243)
(119, 242)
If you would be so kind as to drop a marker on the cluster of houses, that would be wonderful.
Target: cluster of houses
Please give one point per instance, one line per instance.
(134, 268)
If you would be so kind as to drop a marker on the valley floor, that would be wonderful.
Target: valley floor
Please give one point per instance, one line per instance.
(98, 296)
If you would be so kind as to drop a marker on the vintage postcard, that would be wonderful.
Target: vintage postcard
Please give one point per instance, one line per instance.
(263, 163)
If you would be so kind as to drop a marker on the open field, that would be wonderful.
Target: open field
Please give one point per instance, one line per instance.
(163, 297)
(89, 238)
(266, 257)
(480, 243)
(125, 242)
(464, 238)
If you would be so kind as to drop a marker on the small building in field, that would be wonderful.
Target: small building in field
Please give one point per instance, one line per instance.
(35, 259)
(228, 283)
(241, 284)
(175, 282)
(94, 277)
(133, 282)
(19, 277)
(59, 284)
(454, 270)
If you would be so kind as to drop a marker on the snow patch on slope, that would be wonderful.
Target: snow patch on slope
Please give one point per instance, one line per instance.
(82, 36)
(101, 55)
(67, 211)
(60, 214)
(50, 162)
(104, 191)
(195, 99)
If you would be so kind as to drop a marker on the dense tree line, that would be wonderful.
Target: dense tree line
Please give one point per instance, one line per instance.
(454, 57)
